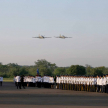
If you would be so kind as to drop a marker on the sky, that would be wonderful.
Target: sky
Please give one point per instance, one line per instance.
(86, 21)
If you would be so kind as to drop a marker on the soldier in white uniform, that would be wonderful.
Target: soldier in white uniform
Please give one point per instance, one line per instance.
(34, 81)
(71, 82)
(103, 83)
(85, 83)
(106, 83)
(100, 83)
(95, 84)
(39, 81)
(61, 82)
(57, 82)
(98, 87)
(46, 80)
(65, 81)
(67, 88)
(18, 80)
(25, 80)
(88, 86)
(81, 83)
(51, 82)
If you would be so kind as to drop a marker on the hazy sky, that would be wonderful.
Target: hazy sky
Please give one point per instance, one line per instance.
(84, 20)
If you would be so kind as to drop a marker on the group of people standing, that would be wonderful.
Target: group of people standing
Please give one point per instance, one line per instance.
(64, 82)
(83, 83)
(19, 81)
(34, 81)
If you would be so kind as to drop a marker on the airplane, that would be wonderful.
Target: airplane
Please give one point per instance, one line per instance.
(62, 36)
(41, 37)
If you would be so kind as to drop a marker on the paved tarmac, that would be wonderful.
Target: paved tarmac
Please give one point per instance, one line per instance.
(33, 97)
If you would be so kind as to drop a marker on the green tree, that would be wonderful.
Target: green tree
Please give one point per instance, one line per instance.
(76, 70)
(98, 71)
(23, 71)
(105, 71)
(59, 71)
(89, 70)
(45, 67)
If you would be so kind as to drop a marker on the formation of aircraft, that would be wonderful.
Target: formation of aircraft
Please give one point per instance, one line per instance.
(61, 36)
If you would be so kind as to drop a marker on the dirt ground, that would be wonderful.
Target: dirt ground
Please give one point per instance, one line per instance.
(33, 97)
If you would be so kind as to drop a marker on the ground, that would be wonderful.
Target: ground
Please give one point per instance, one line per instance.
(33, 97)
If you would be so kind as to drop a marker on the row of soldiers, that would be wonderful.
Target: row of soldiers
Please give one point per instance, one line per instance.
(37, 81)
(1, 80)
(83, 83)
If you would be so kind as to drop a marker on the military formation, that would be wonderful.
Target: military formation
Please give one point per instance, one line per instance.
(64, 82)
(83, 83)
(31, 81)
(1, 80)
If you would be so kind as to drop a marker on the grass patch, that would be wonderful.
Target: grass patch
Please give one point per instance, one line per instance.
(7, 79)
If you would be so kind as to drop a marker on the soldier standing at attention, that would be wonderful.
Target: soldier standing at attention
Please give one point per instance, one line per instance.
(95, 82)
(100, 83)
(98, 87)
(18, 80)
(103, 83)
(106, 83)
(88, 83)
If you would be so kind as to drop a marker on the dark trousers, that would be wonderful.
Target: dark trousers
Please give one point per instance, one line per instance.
(22, 85)
(98, 88)
(19, 85)
(15, 83)
(107, 88)
(103, 89)
(1, 83)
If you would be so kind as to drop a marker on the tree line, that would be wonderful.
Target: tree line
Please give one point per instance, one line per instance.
(47, 68)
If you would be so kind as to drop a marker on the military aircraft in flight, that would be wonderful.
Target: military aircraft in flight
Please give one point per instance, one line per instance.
(62, 37)
(41, 37)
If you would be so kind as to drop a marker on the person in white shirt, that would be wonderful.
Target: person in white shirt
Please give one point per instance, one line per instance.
(61, 82)
(39, 81)
(103, 83)
(51, 82)
(95, 82)
(88, 83)
(72, 82)
(106, 83)
(18, 80)
(98, 87)
(34, 81)
(100, 83)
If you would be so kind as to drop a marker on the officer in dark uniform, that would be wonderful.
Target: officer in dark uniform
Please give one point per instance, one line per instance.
(22, 81)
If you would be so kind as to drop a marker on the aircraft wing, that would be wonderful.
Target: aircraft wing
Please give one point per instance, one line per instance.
(68, 37)
(47, 37)
(35, 37)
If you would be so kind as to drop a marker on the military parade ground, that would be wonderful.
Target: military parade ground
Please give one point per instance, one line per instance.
(47, 97)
